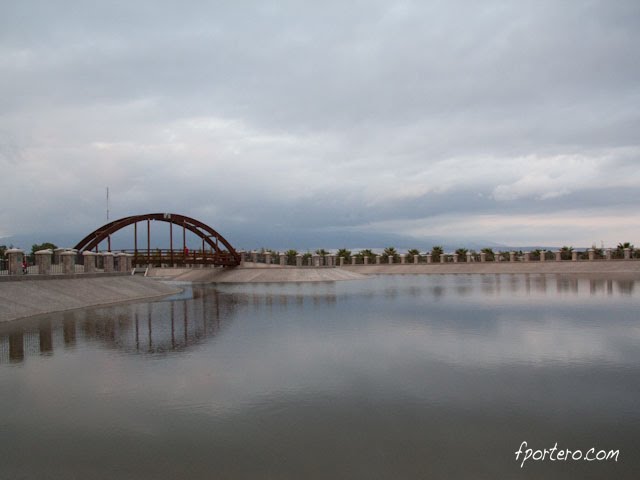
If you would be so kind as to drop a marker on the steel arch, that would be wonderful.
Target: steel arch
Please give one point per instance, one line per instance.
(205, 232)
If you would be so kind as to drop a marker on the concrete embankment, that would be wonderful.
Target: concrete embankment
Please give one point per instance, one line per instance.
(256, 274)
(596, 267)
(261, 273)
(35, 296)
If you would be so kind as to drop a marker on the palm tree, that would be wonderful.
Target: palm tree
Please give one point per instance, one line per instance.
(363, 253)
(489, 255)
(291, 256)
(566, 253)
(619, 252)
(462, 254)
(346, 254)
(411, 254)
(390, 252)
(322, 252)
(436, 251)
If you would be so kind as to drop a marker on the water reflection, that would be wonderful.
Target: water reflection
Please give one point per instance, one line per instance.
(395, 377)
(153, 328)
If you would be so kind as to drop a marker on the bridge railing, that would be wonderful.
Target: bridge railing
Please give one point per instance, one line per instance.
(167, 257)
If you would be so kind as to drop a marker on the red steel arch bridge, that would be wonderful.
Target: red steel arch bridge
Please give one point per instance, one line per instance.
(215, 249)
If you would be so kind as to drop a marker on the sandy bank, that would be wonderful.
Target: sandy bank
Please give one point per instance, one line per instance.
(22, 298)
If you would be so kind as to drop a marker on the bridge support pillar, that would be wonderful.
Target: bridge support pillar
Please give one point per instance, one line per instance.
(89, 261)
(43, 261)
(68, 262)
(107, 258)
(15, 257)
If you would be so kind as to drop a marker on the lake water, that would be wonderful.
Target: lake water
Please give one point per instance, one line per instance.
(394, 377)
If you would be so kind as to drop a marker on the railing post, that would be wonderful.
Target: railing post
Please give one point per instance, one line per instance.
(416, 259)
(574, 256)
(607, 254)
(283, 259)
(512, 256)
(342, 261)
(107, 258)
(43, 261)
(627, 254)
(390, 259)
(366, 259)
(443, 258)
(89, 261)
(429, 258)
(299, 260)
(378, 259)
(469, 257)
(68, 262)
(129, 259)
(592, 254)
(15, 257)
(543, 255)
(267, 258)
(483, 257)
(558, 255)
(527, 256)
(353, 260)
(455, 258)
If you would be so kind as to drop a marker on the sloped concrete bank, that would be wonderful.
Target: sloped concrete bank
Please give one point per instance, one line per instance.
(253, 273)
(596, 267)
(257, 274)
(25, 298)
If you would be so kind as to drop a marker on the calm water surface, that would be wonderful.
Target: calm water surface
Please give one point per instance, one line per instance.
(395, 377)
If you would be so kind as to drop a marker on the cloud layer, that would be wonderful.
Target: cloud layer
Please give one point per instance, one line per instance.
(516, 123)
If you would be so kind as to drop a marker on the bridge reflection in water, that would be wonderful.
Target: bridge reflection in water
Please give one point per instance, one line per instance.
(157, 328)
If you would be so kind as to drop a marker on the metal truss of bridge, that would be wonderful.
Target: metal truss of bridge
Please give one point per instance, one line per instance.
(216, 250)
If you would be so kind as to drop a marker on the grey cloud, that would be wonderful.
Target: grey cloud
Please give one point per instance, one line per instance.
(347, 114)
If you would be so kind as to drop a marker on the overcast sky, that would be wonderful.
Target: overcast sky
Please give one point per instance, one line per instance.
(516, 122)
